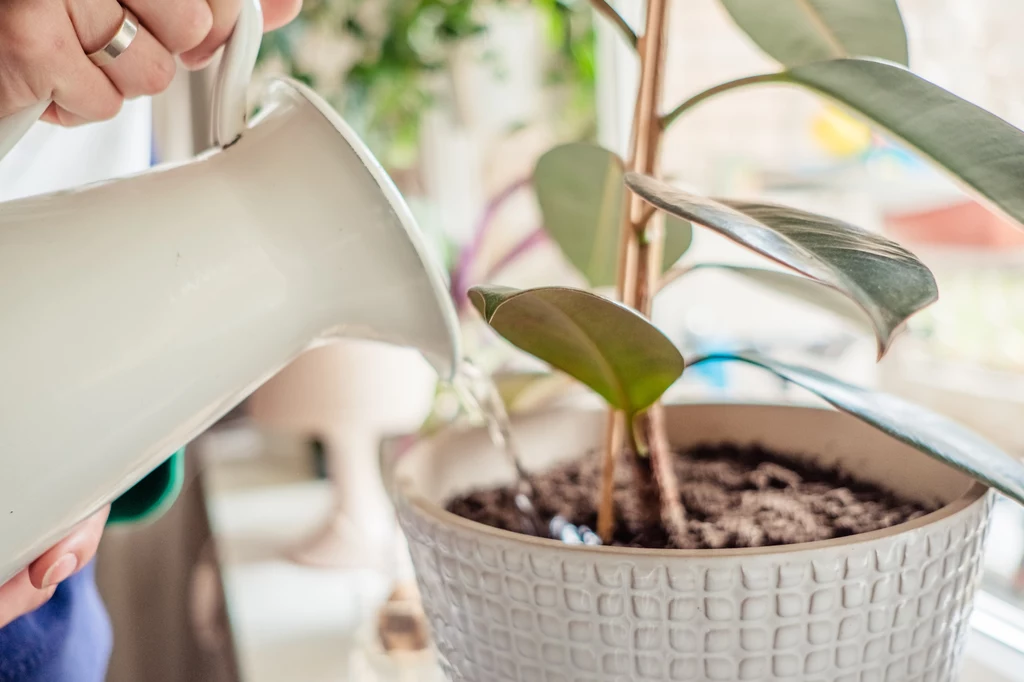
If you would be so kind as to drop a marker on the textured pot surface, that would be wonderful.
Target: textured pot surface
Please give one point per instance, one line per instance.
(890, 605)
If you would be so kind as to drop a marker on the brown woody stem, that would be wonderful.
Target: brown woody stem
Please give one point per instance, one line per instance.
(602, 7)
(639, 269)
(612, 446)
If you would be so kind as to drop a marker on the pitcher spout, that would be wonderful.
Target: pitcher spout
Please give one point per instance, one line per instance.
(367, 260)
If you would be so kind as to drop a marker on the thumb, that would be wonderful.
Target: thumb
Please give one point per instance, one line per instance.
(69, 555)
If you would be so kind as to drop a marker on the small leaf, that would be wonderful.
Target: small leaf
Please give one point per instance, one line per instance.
(795, 286)
(612, 349)
(796, 32)
(511, 385)
(579, 188)
(678, 237)
(524, 391)
(976, 147)
(924, 430)
(885, 280)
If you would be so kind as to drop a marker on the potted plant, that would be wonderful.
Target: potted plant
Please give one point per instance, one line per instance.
(711, 567)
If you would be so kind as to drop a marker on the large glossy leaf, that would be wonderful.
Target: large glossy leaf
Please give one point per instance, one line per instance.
(885, 280)
(931, 433)
(579, 188)
(979, 149)
(794, 286)
(607, 346)
(800, 31)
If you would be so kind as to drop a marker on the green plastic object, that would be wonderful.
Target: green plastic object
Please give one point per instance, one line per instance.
(152, 496)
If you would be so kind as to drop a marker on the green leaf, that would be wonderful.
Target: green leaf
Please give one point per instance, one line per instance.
(530, 390)
(931, 433)
(977, 148)
(612, 349)
(796, 32)
(678, 237)
(579, 188)
(511, 385)
(795, 286)
(885, 280)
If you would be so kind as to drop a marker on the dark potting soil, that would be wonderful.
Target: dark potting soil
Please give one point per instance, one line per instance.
(733, 497)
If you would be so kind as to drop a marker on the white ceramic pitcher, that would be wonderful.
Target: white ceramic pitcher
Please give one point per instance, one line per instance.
(135, 312)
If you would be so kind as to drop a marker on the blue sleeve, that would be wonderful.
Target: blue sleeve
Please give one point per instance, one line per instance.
(67, 639)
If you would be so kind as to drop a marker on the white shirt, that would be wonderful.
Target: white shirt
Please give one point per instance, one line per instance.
(50, 158)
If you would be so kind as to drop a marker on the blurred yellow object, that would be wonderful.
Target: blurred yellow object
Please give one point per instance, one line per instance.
(839, 133)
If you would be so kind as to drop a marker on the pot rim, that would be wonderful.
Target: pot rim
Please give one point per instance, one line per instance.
(972, 496)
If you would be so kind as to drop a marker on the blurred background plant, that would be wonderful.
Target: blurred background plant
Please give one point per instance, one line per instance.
(385, 63)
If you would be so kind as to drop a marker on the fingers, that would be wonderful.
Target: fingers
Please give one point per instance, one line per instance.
(276, 13)
(179, 25)
(81, 92)
(225, 14)
(43, 48)
(145, 68)
(19, 596)
(34, 586)
(70, 554)
(41, 59)
(60, 116)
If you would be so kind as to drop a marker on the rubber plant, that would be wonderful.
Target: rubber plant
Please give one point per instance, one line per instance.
(609, 217)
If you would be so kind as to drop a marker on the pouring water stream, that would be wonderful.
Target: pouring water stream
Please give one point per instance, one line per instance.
(479, 395)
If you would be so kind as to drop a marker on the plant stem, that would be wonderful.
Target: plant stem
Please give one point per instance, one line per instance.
(676, 273)
(602, 7)
(671, 116)
(533, 239)
(639, 262)
(641, 230)
(612, 446)
(459, 278)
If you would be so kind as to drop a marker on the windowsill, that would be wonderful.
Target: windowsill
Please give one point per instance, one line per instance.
(989, 656)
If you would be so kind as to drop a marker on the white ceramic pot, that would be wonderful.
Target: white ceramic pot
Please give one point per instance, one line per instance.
(890, 605)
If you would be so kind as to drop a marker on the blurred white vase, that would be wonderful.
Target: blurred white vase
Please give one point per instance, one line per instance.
(350, 395)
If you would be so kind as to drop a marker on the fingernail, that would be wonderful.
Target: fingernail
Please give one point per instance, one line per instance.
(60, 571)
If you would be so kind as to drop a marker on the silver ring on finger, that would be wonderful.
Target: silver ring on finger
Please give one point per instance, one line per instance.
(121, 41)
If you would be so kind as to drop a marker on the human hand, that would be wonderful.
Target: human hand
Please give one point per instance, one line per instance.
(44, 43)
(34, 586)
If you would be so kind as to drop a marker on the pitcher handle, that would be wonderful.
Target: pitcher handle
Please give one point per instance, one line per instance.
(229, 107)
(14, 127)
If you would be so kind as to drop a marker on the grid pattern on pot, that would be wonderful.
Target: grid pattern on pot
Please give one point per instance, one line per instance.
(892, 609)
